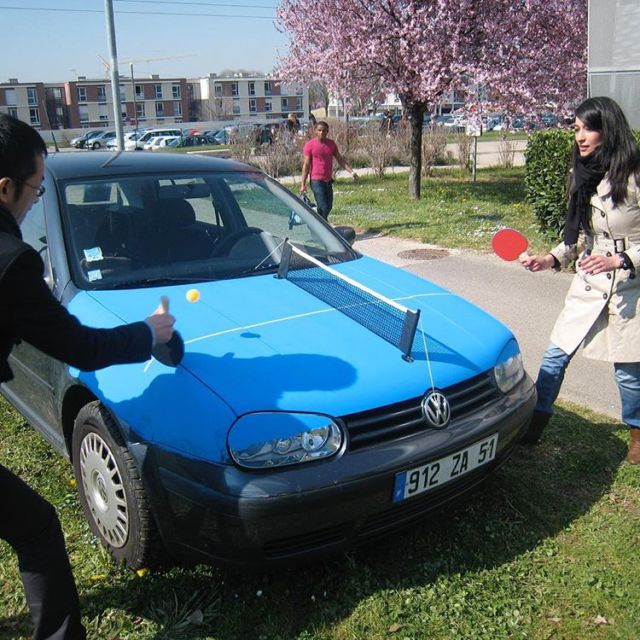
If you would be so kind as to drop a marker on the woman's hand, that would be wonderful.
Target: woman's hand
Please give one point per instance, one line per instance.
(594, 264)
(537, 263)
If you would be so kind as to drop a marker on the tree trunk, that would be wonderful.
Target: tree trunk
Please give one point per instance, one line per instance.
(416, 114)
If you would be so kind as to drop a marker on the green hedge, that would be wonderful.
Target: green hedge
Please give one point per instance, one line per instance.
(548, 158)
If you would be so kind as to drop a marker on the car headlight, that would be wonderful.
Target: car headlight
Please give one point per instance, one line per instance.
(266, 440)
(509, 369)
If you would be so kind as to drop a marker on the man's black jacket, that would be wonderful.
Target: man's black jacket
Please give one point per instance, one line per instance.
(29, 312)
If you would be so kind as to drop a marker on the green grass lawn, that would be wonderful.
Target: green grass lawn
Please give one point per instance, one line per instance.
(453, 211)
(546, 548)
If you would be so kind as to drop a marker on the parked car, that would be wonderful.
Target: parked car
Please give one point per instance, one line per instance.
(80, 141)
(188, 141)
(100, 141)
(138, 144)
(130, 135)
(157, 141)
(293, 427)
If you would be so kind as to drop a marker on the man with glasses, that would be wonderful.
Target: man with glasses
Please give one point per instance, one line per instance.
(31, 313)
(318, 165)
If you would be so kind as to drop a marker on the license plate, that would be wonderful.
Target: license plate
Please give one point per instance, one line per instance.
(430, 476)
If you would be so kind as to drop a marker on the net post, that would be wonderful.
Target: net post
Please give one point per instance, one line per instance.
(409, 327)
(285, 260)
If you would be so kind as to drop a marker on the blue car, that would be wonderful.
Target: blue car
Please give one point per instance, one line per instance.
(324, 398)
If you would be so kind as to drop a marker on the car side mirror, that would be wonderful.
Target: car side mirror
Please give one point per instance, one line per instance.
(348, 233)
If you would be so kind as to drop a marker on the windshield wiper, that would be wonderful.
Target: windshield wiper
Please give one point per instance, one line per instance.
(149, 282)
(259, 268)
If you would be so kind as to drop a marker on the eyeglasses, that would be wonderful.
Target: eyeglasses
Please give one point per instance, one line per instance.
(40, 190)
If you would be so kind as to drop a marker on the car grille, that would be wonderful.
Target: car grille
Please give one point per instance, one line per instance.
(405, 418)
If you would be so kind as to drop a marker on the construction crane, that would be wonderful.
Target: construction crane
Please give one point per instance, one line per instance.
(107, 65)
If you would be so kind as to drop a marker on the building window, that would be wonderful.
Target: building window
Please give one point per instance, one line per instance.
(10, 97)
(82, 94)
(159, 109)
(123, 94)
(268, 106)
(32, 96)
(139, 91)
(267, 89)
(217, 90)
(140, 110)
(158, 91)
(298, 104)
(103, 113)
(83, 111)
(285, 104)
(13, 112)
(234, 89)
(253, 107)
(34, 116)
(57, 93)
(252, 88)
(175, 91)
(299, 90)
(177, 108)
(236, 107)
(102, 94)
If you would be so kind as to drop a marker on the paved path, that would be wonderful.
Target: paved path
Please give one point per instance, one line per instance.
(527, 303)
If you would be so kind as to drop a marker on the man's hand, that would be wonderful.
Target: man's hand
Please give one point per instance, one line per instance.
(303, 187)
(161, 321)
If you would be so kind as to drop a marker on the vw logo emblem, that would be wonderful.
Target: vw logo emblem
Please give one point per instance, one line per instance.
(436, 410)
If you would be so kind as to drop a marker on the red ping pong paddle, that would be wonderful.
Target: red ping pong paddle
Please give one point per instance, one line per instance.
(509, 244)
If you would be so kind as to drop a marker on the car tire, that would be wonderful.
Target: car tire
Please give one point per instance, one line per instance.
(110, 489)
(95, 145)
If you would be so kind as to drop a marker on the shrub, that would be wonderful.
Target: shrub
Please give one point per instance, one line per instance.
(548, 158)
(376, 146)
(465, 144)
(434, 149)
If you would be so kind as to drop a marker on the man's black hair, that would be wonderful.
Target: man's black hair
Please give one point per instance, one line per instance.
(20, 144)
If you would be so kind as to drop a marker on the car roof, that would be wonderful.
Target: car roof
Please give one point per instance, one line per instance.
(74, 164)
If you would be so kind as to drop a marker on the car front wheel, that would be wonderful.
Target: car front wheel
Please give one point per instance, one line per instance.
(110, 489)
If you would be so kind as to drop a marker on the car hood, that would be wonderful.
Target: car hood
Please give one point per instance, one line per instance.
(262, 343)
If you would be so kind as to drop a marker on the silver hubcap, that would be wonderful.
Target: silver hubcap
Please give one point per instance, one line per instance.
(103, 490)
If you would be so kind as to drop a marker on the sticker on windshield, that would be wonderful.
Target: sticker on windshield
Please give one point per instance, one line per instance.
(94, 275)
(93, 255)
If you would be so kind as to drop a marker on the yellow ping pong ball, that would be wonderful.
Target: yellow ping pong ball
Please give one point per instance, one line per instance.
(193, 295)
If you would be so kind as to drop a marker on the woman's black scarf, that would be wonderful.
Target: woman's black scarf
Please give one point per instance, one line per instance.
(587, 175)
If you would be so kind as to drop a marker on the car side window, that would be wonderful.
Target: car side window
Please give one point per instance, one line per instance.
(34, 230)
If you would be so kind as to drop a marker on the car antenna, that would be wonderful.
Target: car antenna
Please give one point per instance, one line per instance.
(111, 159)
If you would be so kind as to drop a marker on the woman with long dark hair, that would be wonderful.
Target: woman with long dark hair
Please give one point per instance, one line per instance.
(602, 231)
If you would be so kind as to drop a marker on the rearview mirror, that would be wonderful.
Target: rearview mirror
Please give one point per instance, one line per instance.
(348, 233)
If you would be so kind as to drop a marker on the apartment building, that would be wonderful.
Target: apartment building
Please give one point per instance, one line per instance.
(25, 101)
(148, 101)
(152, 101)
(242, 97)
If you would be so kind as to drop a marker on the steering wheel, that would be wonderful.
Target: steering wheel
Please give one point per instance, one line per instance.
(226, 244)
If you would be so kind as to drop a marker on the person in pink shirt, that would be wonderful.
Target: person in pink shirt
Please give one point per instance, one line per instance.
(318, 167)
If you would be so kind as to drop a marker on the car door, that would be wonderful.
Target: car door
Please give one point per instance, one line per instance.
(33, 386)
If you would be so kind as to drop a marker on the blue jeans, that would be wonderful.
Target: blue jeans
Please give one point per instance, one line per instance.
(551, 374)
(323, 193)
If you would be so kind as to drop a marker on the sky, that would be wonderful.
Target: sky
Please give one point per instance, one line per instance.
(58, 40)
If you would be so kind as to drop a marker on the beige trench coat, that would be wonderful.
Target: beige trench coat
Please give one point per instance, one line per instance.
(602, 312)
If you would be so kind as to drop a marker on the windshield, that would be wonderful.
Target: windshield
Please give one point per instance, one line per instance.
(149, 229)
